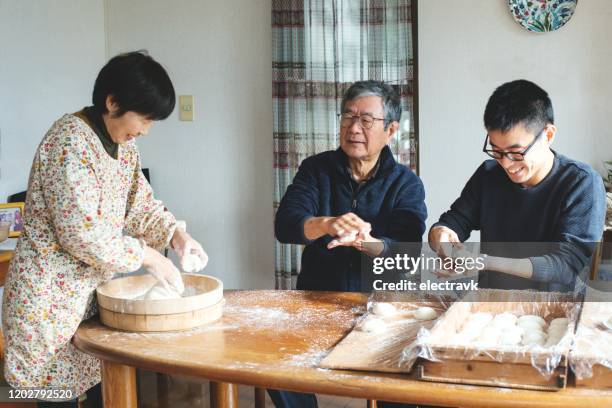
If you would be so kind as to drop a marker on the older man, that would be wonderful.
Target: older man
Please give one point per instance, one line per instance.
(356, 199)
(357, 194)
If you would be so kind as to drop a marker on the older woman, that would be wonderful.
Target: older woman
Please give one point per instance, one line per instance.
(90, 213)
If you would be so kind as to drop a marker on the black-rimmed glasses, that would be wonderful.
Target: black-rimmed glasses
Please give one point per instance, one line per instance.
(514, 156)
(366, 120)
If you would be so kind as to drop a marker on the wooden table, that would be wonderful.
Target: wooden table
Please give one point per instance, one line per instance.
(274, 339)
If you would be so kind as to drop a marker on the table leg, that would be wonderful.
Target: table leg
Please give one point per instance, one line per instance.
(223, 395)
(260, 398)
(118, 385)
(372, 404)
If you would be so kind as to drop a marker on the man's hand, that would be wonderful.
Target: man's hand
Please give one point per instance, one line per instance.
(442, 240)
(347, 227)
(346, 230)
(350, 230)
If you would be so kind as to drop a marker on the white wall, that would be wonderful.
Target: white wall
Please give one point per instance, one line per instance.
(467, 48)
(50, 53)
(215, 172)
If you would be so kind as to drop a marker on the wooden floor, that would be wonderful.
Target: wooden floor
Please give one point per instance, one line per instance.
(184, 393)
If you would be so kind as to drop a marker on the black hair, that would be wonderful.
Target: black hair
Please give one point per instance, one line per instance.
(517, 102)
(391, 101)
(137, 83)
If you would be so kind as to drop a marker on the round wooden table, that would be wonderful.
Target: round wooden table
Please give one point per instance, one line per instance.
(275, 339)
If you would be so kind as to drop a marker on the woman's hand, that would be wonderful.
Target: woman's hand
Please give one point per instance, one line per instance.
(162, 269)
(191, 255)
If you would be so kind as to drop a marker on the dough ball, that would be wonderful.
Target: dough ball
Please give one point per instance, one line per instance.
(510, 338)
(552, 341)
(530, 326)
(490, 335)
(534, 337)
(372, 324)
(475, 323)
(472, 330)
(557, 331)
(532, 318)
(461, 338)
(425, 313)
(383, 309)
(510, 335)
(159, 292)
(191, 263)
(505, 319)
(559, 321)
(480, 317)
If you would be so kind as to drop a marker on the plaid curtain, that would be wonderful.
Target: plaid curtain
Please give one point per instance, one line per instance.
(319, 48)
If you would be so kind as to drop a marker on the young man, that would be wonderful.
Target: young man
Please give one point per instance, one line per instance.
(528, 194)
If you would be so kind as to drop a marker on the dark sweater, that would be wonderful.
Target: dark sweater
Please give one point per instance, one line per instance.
(568, 206)
(392, 202)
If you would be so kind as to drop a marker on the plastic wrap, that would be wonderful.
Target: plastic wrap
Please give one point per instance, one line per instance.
(593, 339)
(453, 337)
(379, 346)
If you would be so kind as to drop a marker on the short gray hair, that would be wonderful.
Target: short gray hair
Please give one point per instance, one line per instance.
(391, 101)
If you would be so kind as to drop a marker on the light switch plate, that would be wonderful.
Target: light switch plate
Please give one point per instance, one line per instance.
(186, 108)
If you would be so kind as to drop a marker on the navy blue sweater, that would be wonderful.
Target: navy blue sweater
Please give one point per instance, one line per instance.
(568, 206)
(392, 202)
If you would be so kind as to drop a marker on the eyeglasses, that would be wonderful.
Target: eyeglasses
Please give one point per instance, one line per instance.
(366, 121)
(514, 156)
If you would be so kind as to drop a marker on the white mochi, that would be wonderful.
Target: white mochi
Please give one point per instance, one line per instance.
(461, 338)
(511, 335)
(557, 331)
(490, 335)
(372, 324)
(531, 325)
(384, 309)
(534, 337)
(159, 292)
(425, 313)
(191, 263)
(479, 318)
(559, 321)
(532, 318)
(471, 332)
(477, 322)
(510, 338)
(552, 340)
(473, 328)
(504, 319)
